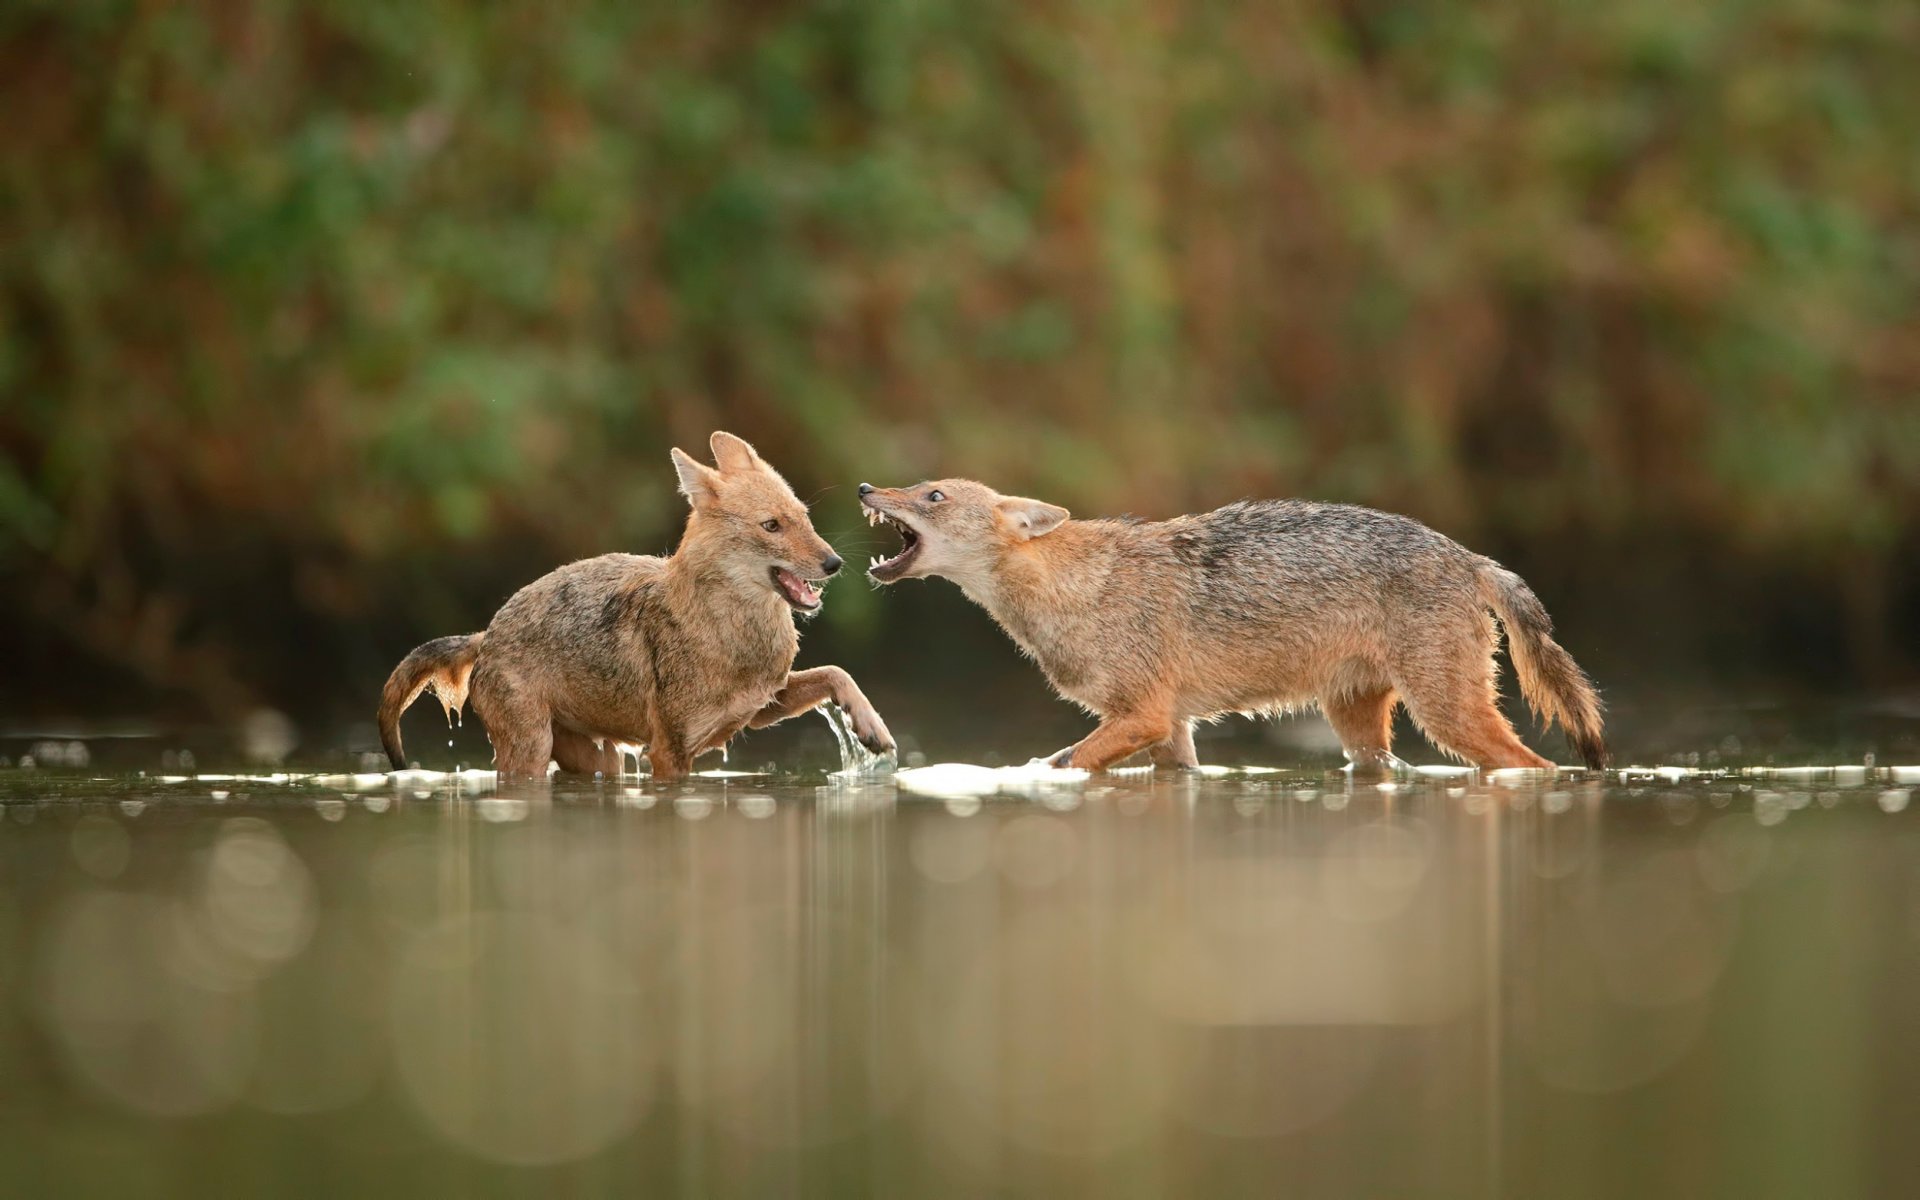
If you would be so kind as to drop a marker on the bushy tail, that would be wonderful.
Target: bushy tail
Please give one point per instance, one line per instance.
(1551, 681)
(443, 664)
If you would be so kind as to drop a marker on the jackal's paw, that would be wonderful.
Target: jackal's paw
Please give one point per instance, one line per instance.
(1373, 764)
(870, 729)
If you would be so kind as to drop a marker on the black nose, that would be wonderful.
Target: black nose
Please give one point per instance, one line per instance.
(832, 565)
(865, 488)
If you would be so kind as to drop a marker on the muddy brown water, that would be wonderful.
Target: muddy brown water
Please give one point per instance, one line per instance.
(961, 981)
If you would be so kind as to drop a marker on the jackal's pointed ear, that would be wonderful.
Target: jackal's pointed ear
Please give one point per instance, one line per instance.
(731, 453)
(1031, 518)
(698, 483)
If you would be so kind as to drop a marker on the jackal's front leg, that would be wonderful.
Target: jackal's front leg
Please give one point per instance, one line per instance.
(1177, 751)
(1114, 739)
(809, 689)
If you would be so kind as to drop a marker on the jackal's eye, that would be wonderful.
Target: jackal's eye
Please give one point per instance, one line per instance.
(770, 526)
(936, 496)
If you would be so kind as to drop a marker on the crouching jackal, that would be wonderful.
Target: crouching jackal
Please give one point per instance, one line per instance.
(1259, 607)
(675, 654)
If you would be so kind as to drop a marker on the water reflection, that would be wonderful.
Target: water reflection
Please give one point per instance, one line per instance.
(960, 979)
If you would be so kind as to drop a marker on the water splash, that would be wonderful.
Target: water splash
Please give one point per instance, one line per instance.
(856, 761)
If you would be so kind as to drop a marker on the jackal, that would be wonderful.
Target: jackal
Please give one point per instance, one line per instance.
(1260, 607)
(675, 654)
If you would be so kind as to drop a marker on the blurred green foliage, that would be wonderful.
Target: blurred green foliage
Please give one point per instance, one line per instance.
(373, 284)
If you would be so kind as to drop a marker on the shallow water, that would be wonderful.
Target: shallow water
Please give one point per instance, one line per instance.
(960, 980)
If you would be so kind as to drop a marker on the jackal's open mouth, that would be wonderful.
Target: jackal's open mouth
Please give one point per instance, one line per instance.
(889, 569)
(803, 594)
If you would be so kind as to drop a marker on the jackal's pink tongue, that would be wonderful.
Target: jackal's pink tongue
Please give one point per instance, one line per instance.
(797, 589)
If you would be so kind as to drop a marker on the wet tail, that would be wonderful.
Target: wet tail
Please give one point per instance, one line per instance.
(1551, 681)
(443, 664)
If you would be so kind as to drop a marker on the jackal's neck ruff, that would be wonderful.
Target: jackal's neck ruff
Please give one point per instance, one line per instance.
(1048, 593)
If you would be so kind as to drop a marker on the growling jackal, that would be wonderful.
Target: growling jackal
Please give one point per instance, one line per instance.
(1259, 607)
(675, 654)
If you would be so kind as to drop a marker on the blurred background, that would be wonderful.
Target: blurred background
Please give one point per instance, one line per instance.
(325, 326)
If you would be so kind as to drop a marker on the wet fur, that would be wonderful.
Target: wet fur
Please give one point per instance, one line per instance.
(672, 654)
(1260, 607)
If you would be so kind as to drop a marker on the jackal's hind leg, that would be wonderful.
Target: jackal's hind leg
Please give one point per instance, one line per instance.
(577, 753)
(520, 727)
(1463, 719)
(522, 750)
(668, 762)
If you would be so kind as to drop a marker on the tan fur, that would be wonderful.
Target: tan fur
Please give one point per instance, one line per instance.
(1254, 608)
(673, 654)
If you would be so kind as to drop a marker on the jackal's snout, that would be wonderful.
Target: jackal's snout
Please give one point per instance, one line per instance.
(802, 564)
(886, 506)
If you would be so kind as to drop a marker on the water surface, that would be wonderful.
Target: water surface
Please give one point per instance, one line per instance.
(961, 982)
